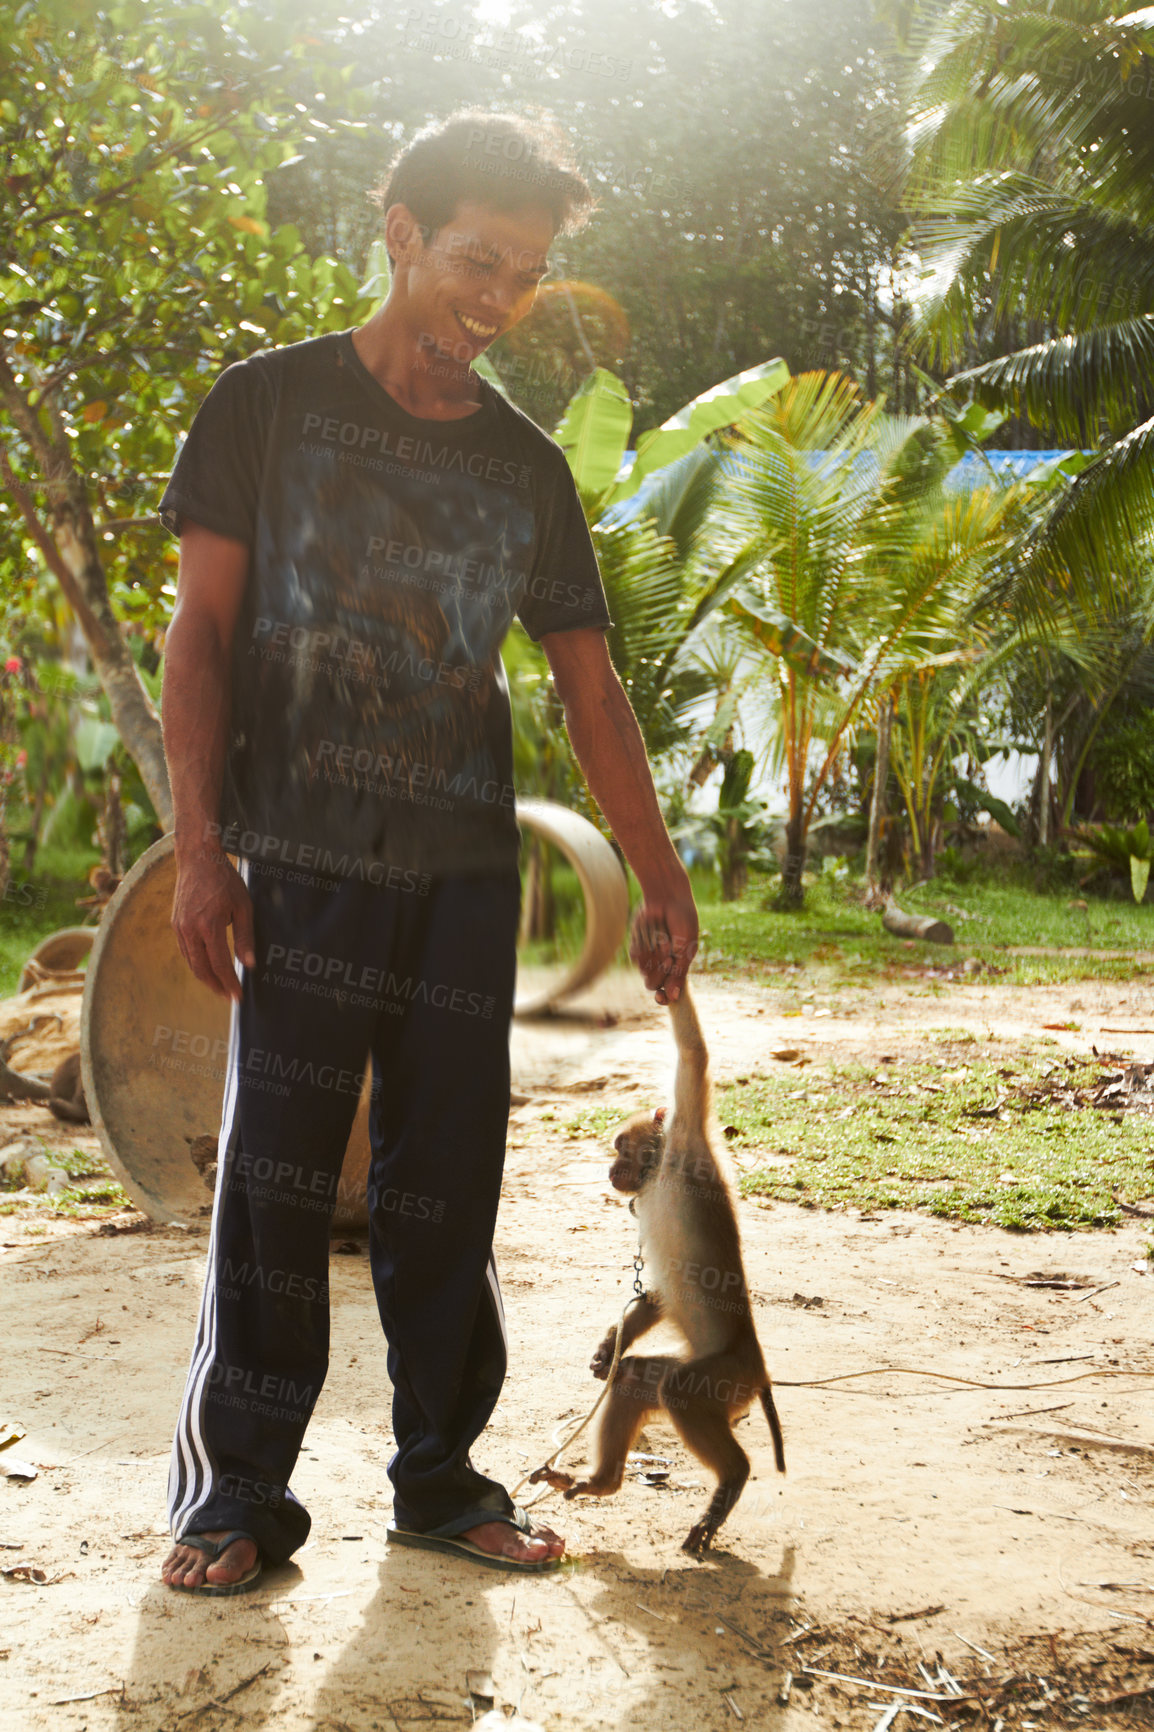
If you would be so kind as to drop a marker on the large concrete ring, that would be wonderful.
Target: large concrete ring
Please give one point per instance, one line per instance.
(154, 1042)
(60, 952)
(603, 886)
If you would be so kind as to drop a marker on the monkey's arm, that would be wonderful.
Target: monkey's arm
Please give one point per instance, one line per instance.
(638, 1319)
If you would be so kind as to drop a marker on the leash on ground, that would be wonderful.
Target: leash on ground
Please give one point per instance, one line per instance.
(538, 1473)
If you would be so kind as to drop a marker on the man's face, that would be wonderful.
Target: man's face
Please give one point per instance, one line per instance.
(476, 278)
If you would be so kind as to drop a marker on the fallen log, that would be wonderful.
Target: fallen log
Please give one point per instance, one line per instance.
(922, 926)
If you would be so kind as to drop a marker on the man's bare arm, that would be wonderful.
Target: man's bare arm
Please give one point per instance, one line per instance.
(611, 752)
(210, 894)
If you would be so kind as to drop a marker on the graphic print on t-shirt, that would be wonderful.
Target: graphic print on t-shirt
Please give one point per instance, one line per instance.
(378, 679)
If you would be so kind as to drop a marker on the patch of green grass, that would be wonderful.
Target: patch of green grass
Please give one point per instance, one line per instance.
(923, 1136)
(835, 932)
(569, 922)
(81, 1203)
(40, 903)
(595, 1121)
(95, 1193)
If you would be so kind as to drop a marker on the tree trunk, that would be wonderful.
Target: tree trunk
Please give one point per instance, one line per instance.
(928, 862)
(111, 827)
(32, 842)
(791, 894)
(7, 737)
(927, 824)
(70, 551)
(871, 333)
(538, 911)
(878, 798)
(1044, 779)
(133, 713)
(734, 871)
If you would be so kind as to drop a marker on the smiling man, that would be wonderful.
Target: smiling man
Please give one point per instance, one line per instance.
(361, 517)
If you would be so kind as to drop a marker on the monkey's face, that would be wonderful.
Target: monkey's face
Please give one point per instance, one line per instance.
(640, 1145)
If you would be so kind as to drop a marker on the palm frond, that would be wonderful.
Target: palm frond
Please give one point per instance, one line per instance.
(1099, 533)
(991, 88)
(1058, 258)
(1073, 383)
(646, 588)
(679, 497)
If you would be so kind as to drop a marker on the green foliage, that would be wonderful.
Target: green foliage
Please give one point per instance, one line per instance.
(136, 258)
(835, 940)
(1116, 846)
(840, 564)
(984, 801)
(1123, 766)
(1128, 851)
(41, 902)
(1030, 173)
(719, 407)
(594, 432)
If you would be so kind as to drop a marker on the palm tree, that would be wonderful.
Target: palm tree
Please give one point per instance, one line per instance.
(1030, 174)
(834, 554)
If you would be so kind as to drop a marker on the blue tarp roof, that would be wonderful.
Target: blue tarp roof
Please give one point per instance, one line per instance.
(973, 470)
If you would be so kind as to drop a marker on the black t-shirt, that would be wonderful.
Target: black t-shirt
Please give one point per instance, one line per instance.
(370, 711)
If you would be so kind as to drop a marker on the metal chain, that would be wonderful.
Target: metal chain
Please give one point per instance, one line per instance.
(638, 1259)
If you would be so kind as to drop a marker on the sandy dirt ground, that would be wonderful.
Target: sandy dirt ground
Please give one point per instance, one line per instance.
(995, 1529)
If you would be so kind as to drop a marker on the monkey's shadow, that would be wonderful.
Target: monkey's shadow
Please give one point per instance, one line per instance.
(676, 1610)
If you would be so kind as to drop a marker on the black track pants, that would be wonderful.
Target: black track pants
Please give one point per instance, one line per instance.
(424, 984)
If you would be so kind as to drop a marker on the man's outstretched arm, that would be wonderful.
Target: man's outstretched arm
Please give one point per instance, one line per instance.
(611, 752)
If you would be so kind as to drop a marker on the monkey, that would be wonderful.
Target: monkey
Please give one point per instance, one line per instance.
(66, 1092)
(203, 1152)
(691, 1243)
(105, 884)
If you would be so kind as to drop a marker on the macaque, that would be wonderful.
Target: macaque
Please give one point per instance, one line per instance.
(203, 1153)
(66, 1092)
(692, 1250)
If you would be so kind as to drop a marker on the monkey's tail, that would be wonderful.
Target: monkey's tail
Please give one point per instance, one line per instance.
(775, 1427)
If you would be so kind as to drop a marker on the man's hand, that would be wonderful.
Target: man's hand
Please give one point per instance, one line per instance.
(664, 941)
(210, 897)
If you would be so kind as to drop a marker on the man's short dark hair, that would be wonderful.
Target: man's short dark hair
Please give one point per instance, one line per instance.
(507, 161)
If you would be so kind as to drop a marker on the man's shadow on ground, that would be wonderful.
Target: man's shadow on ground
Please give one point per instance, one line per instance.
(578, 1660)
(194, 1650)
(631, 1647)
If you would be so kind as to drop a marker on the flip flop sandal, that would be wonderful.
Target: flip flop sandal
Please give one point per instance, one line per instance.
(214, 1549)
(468, 1548)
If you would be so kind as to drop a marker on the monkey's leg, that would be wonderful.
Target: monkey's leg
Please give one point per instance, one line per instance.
(634, 1393)
(697, 1399)
(638, 1319)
